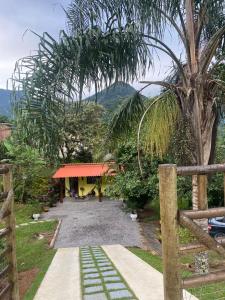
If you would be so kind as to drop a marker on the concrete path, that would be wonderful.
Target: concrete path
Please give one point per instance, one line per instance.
(91, 223)
(128, 278)
(62, 280)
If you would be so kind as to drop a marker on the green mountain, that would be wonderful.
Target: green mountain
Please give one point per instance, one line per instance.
(114, 95)
(5, 107)
(110, 97)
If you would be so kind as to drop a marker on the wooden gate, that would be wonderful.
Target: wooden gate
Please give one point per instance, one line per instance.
(171, 218)
(8, 268)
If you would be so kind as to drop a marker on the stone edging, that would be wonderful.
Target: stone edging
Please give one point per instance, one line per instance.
(55, 234)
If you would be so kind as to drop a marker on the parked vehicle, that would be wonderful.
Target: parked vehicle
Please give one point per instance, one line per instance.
(216, 227)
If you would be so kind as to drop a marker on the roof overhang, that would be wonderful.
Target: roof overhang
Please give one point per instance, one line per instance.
(82, 170)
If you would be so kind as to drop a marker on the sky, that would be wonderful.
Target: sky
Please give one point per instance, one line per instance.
(18, 17)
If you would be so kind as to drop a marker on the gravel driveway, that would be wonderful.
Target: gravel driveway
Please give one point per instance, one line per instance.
(91, 223)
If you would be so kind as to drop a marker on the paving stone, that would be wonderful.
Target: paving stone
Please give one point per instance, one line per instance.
(109, 273)
(106, 268)
(112, 279)
(92, 281)
(86, 266)
(89, 270)
(87, 260)
(120, 294)
(98, 296)
(115, 286)
(24, 224)
(104, 264)
(91, 275)
(100, 257)
(93, 289)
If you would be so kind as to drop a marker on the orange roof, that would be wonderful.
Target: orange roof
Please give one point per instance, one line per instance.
(81, 170)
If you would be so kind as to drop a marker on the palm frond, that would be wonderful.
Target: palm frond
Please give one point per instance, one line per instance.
(126, 116)
(160, 123)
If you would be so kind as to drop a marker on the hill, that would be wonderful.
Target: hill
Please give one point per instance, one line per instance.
(110, 98)
(5, 107)
(114, 95)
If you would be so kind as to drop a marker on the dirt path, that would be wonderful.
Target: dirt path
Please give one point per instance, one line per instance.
(90, 223)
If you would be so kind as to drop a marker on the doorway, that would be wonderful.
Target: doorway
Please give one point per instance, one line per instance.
(74, 186)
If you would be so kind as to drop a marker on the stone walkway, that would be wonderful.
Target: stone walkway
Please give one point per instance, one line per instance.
(100, 279)
(101, 273)
(90, 223)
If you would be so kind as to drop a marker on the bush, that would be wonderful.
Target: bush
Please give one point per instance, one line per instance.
(30, 172)
(135, 188)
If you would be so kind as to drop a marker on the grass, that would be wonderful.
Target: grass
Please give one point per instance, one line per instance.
(24, 211)
(153, 260)
(33, 253)
(207, 292)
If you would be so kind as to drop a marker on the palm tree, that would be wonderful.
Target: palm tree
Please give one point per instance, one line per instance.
(114, 40)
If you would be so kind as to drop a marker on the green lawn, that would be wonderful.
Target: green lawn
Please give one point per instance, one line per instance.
(208, 292)
(34, 253)
(24, 212)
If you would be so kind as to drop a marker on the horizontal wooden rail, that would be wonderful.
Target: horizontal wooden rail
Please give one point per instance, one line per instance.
(203, 237)
(197, 247)
(200, 170)
(6, 205)
(4, 232)
(4, 291)
(5, 252)
(205, 214)
(4, 271)
(200, 280)
(4, 170)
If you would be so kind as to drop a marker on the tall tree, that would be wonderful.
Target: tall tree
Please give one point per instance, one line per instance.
(114, 40)
(82, 134)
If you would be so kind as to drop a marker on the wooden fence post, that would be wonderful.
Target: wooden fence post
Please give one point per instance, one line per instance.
(169, 228)
(11, 239)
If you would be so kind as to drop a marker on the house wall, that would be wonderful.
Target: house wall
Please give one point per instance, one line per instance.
(82, 183)
(67, 187)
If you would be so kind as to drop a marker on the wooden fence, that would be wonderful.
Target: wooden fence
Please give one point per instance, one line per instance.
(171, 218)
(8, 271)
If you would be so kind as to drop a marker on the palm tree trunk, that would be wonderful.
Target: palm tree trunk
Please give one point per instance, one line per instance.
(203, 120)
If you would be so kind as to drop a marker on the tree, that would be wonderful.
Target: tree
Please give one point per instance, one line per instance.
(31, 173)
(82, 134)
(114, 40)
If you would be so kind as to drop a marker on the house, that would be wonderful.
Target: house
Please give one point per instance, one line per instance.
(83, 179)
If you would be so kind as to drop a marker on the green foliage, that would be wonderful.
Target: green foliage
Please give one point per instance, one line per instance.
(128, 184)
(30, 171)
(82, 134)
